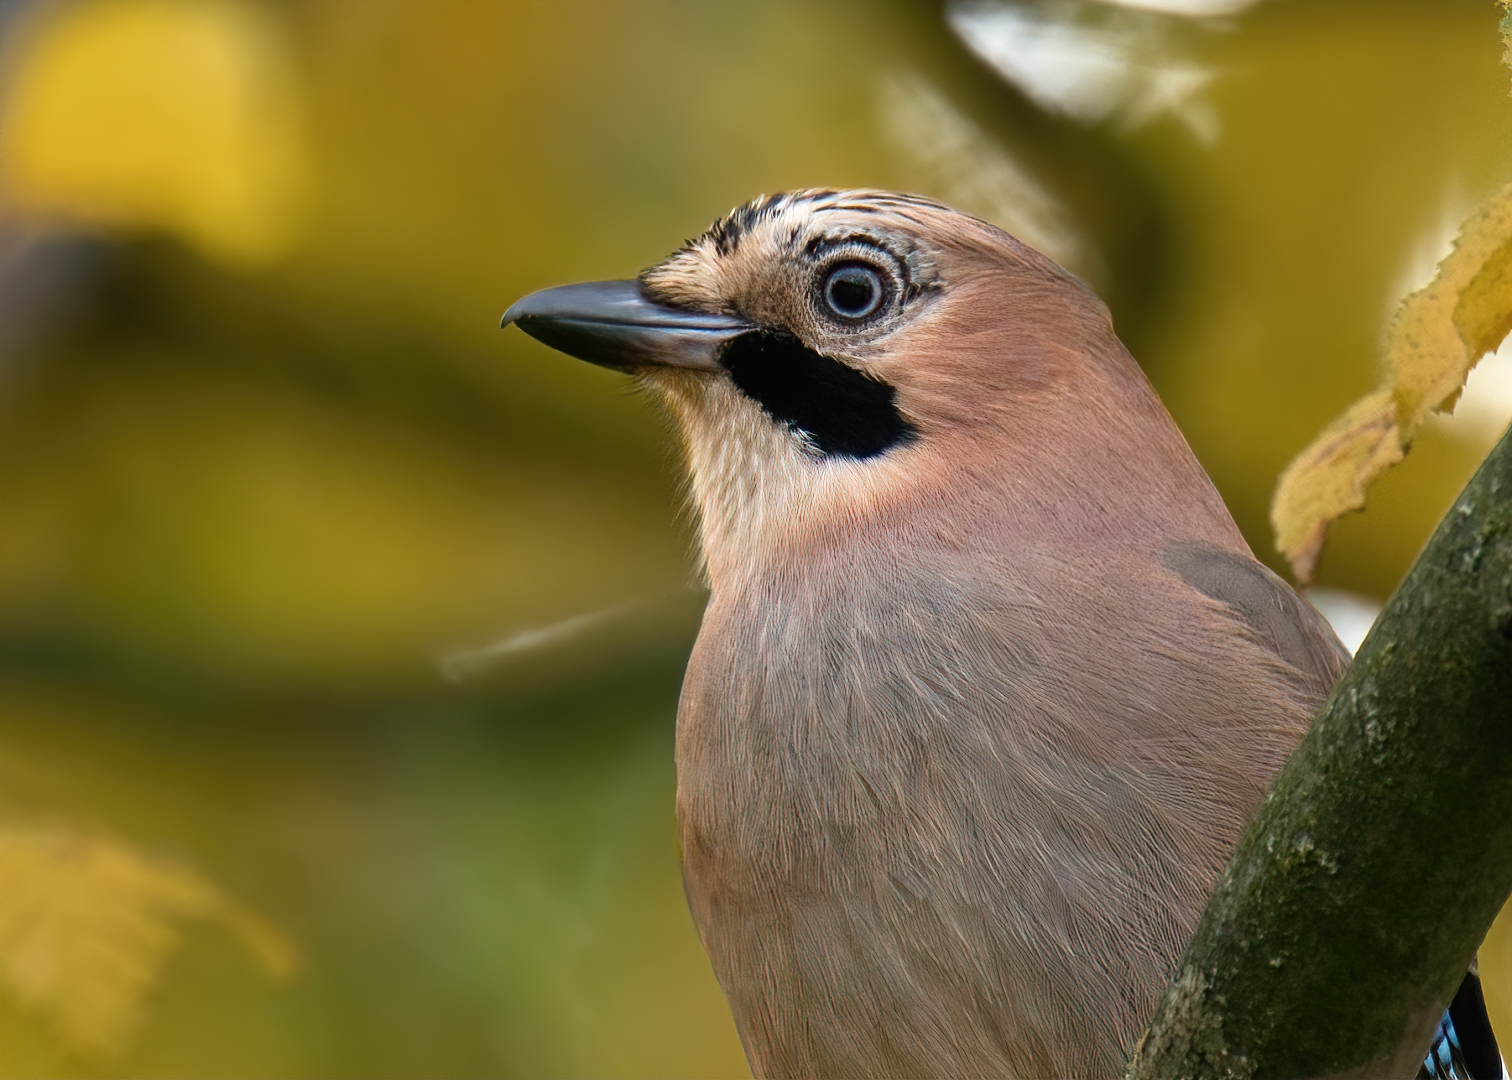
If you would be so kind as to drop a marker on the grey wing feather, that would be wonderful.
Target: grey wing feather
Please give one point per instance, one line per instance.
(1280, 619)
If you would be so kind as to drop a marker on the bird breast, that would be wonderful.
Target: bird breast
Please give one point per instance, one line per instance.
(912, 789)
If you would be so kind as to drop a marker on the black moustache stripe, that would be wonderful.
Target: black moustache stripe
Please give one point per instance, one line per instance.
(841, 411)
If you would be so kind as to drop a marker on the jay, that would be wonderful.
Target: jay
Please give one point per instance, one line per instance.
(988, 683)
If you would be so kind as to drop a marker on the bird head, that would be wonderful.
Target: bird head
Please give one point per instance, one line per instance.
(840, 360)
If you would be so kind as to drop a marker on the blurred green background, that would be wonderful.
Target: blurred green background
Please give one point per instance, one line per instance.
(319, 588)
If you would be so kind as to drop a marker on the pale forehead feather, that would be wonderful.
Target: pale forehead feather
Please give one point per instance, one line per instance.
(744, 245)
(817, 207)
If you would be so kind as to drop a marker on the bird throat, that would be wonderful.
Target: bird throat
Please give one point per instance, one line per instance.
(837, 409)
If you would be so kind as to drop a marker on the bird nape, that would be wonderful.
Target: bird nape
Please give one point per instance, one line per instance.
(988, 683)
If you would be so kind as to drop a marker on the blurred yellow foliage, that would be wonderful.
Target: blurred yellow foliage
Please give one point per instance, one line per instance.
(1437, 335)
(182, 115)
(1495, 958)
(86, 924)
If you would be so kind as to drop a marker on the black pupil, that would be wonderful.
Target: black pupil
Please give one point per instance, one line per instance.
(853, 291)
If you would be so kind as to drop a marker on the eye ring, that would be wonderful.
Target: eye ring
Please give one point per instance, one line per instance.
(854, 290)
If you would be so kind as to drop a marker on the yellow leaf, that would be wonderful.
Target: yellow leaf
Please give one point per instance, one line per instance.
(181, 115)
(1435, 338)
(1329, 478)
(86, 924)
(1482, 315)
(1506, 32)
(1429, 351)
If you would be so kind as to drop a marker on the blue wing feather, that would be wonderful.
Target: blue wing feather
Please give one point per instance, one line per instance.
(1464, 1046)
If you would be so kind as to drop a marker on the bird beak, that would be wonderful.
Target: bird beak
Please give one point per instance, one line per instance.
(616, 325)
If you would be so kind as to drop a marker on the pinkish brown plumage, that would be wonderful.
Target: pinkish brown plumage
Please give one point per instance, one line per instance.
(988, 683)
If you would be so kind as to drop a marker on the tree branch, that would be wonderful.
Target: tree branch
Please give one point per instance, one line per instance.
(1360, 892)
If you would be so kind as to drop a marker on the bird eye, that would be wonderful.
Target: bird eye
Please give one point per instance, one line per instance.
(854, 290)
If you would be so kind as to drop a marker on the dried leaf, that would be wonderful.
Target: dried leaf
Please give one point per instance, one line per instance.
(1441, 330)
(1506, 33)
(86, 924)
(1329, 478)
(1482, 315)
(1437, 335)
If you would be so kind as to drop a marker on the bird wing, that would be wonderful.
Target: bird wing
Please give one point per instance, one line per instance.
(1464, 1046)
(1273, 613)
